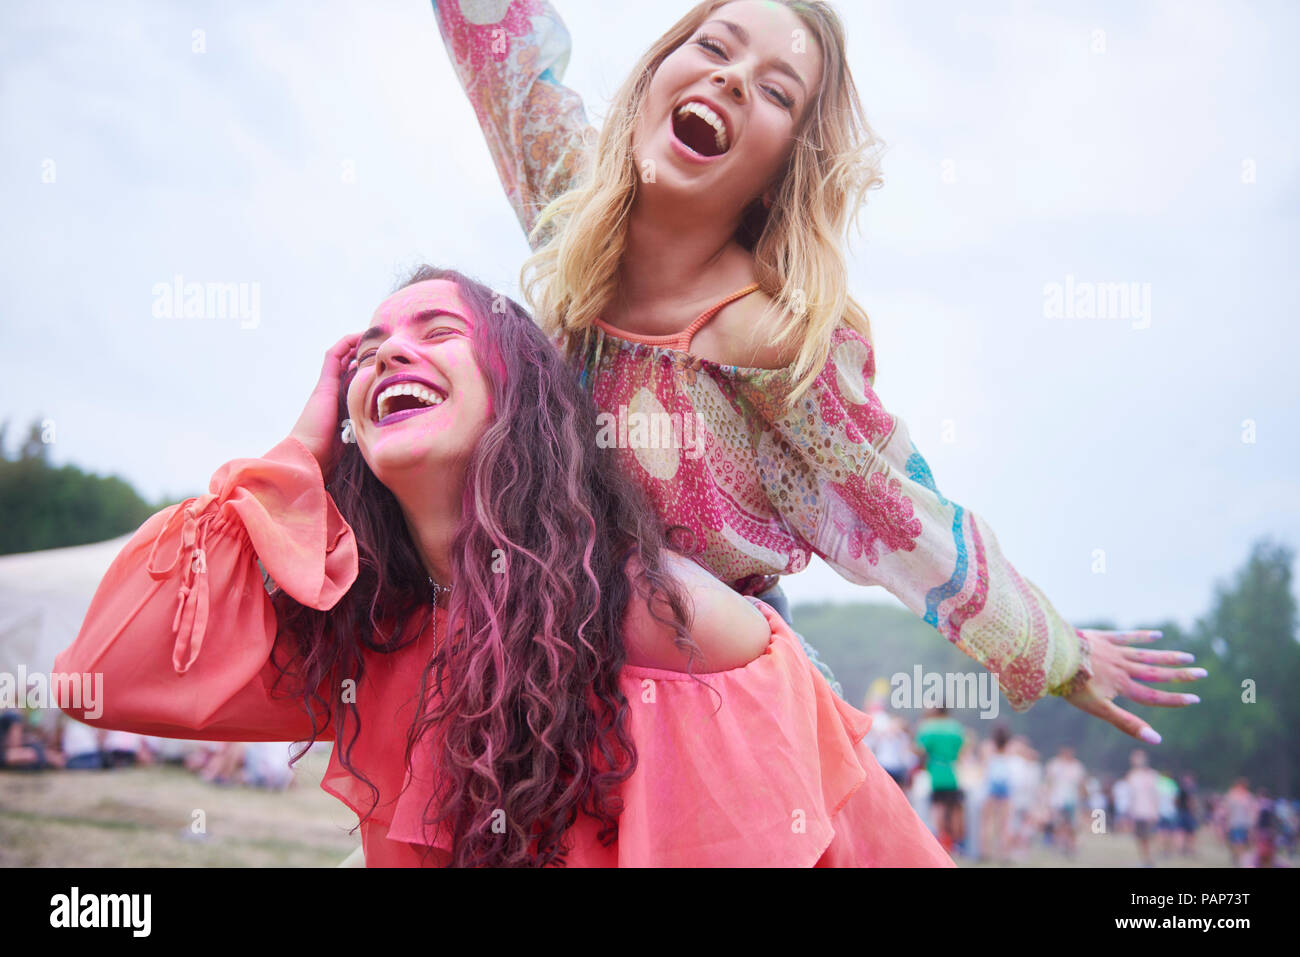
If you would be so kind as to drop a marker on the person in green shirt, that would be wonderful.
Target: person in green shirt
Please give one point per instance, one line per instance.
(939, 740)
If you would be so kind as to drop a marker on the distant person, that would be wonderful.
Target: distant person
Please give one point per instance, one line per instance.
(1286, 825)
(20, 751)
(969, 768)
(1026, 781)
(1096, 797)
(1064, 777)
(167, 750)
(939, 740)
(1240, 810)
(266, 765)
(225, 765)
(1144, 790)
(889, 742)
(124, 749)
(1265, 830)
(997, 802)
(82, 746)
(1122, 795)
(1168, 814)
(1187, 808)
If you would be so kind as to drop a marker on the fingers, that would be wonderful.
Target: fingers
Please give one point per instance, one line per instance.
(345, 345)
(342, 351)
(341, 357)
(1130, 724)
(1151, 657)
(1163, 699)
(1123, 637)
(1163, 675)
(1144, 665)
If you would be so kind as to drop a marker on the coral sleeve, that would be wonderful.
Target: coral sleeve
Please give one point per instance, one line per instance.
(852, 483)
(510, 60)
(181, 628)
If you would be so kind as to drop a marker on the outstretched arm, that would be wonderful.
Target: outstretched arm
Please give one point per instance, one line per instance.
(511, 66)
(880, 519)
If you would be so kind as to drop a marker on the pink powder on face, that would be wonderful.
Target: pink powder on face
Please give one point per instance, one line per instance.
(421, 297)
(428, 295)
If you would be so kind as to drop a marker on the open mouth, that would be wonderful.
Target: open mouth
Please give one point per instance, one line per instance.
(700, 129)
(404, 400)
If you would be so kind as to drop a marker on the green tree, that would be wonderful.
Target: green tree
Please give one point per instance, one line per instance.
(46, 507)
(1247, 640)
(1246, 723)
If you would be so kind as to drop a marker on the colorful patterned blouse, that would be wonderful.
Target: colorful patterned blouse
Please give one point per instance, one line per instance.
(754, 491)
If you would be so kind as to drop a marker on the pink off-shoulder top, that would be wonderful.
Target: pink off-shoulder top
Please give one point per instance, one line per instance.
(184, 633)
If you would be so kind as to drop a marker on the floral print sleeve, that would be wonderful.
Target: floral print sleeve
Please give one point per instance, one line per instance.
(848, 479)
(510, 58)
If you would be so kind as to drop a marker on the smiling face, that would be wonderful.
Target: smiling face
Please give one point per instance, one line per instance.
(752, 69)
(418, 399)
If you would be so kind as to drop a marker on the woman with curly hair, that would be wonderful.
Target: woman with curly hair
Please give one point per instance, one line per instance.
(469, 600)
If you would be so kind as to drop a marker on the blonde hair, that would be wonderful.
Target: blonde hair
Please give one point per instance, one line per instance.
(797, 247)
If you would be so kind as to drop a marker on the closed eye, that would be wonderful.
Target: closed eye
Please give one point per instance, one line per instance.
(714, 47)
(432, 334)
(780, 97)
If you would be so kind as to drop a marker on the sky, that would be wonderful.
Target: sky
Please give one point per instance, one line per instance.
(316, 152)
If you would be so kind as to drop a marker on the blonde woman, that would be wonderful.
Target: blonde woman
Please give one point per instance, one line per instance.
(689, 258)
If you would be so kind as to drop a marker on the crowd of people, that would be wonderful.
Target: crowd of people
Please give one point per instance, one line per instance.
(989, 799)
(29, 741)
(994, 798)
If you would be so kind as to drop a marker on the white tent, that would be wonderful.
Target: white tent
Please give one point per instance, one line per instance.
(44, 597)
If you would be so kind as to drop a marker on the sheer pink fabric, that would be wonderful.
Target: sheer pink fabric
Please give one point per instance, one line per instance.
(183, 631)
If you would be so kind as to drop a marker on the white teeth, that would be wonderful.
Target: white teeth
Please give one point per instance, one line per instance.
(710, 117)
(427, 396)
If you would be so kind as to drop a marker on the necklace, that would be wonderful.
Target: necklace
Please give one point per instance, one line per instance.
(438, 592)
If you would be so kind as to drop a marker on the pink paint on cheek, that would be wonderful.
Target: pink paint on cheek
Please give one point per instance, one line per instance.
(356, 396)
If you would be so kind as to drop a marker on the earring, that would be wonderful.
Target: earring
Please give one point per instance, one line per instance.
(348, 437)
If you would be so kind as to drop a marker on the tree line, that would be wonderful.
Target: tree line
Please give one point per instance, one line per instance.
(1247, 722)
(43, 506)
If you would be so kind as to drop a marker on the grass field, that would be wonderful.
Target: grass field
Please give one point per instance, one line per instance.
(142, 817)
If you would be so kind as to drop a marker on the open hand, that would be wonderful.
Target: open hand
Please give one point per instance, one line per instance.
(1117, 669)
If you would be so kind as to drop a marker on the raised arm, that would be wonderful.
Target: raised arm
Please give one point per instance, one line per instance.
(182, 630)
(511, 69)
